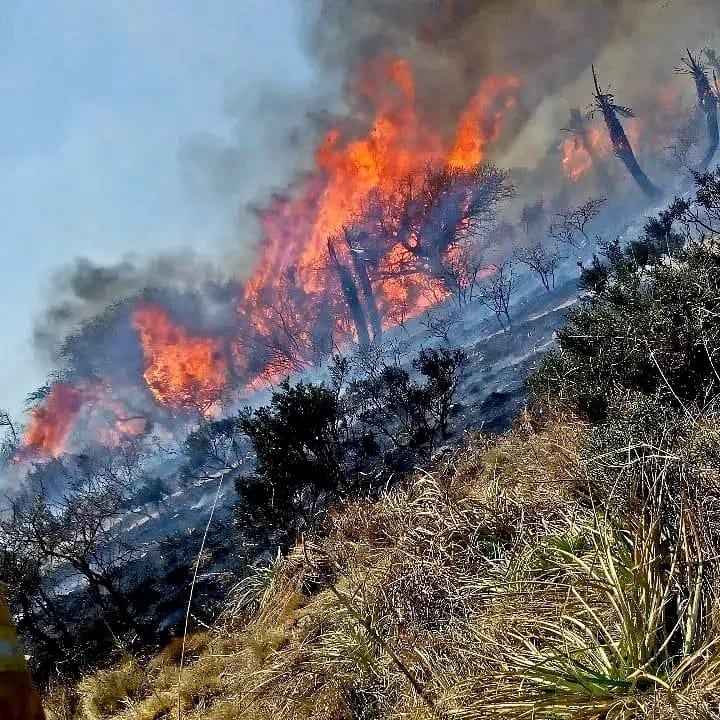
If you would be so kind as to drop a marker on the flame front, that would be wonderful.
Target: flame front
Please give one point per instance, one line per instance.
(183, 372)
(292, 303)
(52, 422)
(352, 175)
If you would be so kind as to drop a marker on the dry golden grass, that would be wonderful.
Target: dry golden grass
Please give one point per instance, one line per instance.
(474, 591)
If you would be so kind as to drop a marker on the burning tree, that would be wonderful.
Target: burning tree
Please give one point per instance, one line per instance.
(580, 136)
(444, 208)
(707, 104)
(605, 103)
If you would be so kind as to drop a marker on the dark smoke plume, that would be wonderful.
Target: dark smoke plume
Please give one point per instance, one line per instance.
(550, 45)
(84, 289)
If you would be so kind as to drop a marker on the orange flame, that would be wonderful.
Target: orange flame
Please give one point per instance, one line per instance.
(578, 153)
(51, 423)
(183, 372)
(480, 122)
(350, 171)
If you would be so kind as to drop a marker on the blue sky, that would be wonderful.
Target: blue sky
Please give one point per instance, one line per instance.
(100, 101)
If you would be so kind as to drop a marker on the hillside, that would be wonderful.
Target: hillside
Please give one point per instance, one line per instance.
(492, 585)
(566, 569)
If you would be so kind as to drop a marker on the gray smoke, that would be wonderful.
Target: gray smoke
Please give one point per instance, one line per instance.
(549, 44)
(84, 289)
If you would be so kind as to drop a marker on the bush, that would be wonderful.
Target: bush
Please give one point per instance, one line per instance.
(654, 331)
(317, 445)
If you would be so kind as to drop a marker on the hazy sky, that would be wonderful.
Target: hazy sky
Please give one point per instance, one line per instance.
(99, 100)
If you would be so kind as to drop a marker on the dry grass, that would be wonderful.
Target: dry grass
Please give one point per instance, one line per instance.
(489, 587)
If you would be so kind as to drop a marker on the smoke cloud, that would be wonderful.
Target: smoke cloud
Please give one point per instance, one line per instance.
(550, 45)
(451, 45)
(84, 289)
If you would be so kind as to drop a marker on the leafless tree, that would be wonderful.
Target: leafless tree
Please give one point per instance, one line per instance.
(571, 226)
(678, 155)
(543, 260)
(6, 422)
(283, 337)
(497, 291)
(10, 440)
(532, 216)
(70, 515)
(439, 322)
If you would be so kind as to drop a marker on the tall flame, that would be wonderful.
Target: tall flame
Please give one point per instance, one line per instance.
(352, 171)
(480, 121)
(52, 422)
(184, 372)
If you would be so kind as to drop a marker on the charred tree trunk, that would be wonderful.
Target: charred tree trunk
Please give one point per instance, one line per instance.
(605, 102)
(352, 298)
(711, 117)
(623, 149)
(708, 104)
(360, 267)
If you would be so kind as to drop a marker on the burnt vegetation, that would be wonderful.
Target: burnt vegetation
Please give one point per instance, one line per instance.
(566, 569)
(597, 513)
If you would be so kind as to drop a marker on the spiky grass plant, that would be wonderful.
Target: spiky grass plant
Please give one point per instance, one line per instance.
(247, 596)
(618, 637)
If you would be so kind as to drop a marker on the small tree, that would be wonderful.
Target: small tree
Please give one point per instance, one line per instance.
(316, 445)
(570, 226)
(496, 293)
(214, 445)
(542, 260)
(68, 516)
(466, 265)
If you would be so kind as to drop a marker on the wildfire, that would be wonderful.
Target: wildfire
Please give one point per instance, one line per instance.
(103, 418)
(351, 173)
(51, 423)
(183, 372)
(294, 300)
(579, 151)
(312, 289)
